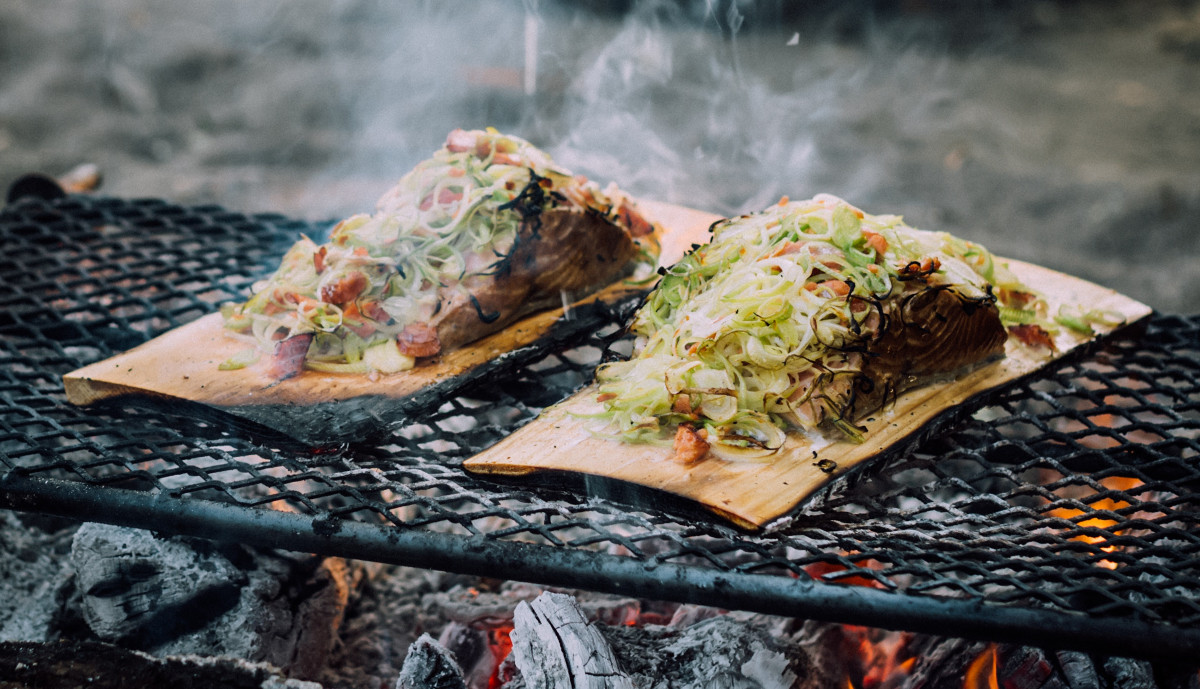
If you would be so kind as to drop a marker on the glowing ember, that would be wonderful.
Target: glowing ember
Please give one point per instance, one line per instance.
(981, 674)
(1119, 483)
(500, 644)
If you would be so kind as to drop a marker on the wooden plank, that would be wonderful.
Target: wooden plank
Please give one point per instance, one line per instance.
(751, 494)
(181, 366)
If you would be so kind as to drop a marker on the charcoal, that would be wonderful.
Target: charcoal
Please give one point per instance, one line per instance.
(1126, 673)
(183, 596)
(471, 648)
(98, 665)
(721, 651)
(149, 590)
(429, 665)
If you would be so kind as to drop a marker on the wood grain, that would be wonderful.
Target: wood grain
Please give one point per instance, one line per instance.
(752, 495)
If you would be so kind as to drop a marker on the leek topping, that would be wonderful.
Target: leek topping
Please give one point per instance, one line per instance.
(454, 216)
(747, 335)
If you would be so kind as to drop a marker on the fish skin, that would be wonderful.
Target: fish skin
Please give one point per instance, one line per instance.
(571, 250)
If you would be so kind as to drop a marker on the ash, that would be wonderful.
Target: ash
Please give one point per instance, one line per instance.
(1059, 132)
(118, 607)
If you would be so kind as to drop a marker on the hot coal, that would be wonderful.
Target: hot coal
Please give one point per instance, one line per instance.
(429, 665)
(349, 624)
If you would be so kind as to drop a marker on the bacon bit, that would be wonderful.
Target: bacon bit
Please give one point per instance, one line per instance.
(876, 241)
(682, 404)
(456, 172)
(418, 340)
(459, 141)
(445, 197)
(360, 251)
(788, 248)
(606, 396)
(345, 289)
(288, 359)
(505, 159)
(1032, 335)
(375, 311)
(920, 269)
(690, 446)
(783, 200)
(351, 312)
(873, 269)
(1016, 298)
(319, 259)
(837, 288)
(633, 221)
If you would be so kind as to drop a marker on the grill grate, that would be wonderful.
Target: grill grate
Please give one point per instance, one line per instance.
(1063, 511)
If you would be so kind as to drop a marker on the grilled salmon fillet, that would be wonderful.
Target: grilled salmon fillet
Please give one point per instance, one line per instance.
(487, 230)
(806, 316)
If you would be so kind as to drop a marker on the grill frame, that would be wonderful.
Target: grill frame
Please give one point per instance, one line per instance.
(94, 276)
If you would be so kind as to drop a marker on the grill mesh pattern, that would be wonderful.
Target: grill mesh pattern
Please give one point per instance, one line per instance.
(1076, 492)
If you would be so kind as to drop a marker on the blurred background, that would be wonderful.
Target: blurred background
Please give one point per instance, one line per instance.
(1061, 132)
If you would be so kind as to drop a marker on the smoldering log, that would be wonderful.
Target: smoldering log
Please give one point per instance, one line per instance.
(429, 665)
(719, 651)
(185, 596)
(553, 641)
(97, 665)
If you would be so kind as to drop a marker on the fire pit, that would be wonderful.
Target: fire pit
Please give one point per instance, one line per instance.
(1061, 513)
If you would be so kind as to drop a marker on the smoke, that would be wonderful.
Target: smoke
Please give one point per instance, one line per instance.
(1037, 128)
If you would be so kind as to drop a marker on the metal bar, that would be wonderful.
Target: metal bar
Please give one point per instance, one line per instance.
(551, 566)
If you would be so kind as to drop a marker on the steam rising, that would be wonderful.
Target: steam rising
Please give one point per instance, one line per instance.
(1045, 130)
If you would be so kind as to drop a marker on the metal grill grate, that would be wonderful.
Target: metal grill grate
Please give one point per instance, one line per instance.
(1062, 512)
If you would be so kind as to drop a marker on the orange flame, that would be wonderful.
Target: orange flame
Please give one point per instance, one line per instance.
(500, 644)
(1121, 483)
(981, 674)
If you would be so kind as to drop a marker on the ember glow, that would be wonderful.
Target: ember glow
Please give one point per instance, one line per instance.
(982, 672)
(1106, 504)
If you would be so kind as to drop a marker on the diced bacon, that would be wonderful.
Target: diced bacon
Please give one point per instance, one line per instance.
(1016, 298)
(344, 289)
(876, 241)
(460, 140)
(633, 221)
(445, 197)
(1032, 335)
(682, 404)
(690, 446)
(920, 269)
(375, 311)
(288, 359)
(418, 340)
(353, 318)
(319, 259)
(788, 248)
(606, 396)
(832, 288)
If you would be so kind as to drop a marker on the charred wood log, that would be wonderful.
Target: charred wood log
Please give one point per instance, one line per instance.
(471, 647)
(717, 652)
(184, 596)
(73, 664)
(555, 646)
(429, 665)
